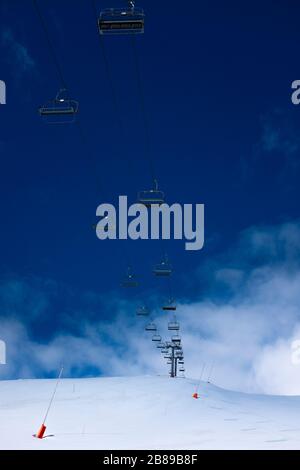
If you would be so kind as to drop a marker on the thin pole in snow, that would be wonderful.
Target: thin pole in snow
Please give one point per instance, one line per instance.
(41, 431)
(53, 395)
(203, 367)
(210, 373)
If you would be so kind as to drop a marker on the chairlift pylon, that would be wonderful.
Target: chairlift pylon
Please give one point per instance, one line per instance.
(178, 351)
(128, 20)
(176, 339)
(152, 197)
(60, 110)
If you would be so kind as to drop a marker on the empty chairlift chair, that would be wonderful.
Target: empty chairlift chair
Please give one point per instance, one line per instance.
(150, 327)
(152, 197)
(60, 110)
(156, 338)
(122, 21)
(176, 339)
(163, 269)
(142, 311)
(129, 280)
(173, 326)
(170, 305)
(160, 345)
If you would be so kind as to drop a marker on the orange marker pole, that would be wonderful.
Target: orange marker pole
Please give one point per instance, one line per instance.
(41, 431)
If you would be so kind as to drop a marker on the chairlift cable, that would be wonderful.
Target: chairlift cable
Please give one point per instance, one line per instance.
(170, 288)
(63, 82)
(140, 94)
(143, 109)
(50, 44)
(96, 176)
(108, 73)
(64, 85)
(111, 85)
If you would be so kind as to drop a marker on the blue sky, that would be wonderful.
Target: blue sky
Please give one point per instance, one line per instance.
(223, 132)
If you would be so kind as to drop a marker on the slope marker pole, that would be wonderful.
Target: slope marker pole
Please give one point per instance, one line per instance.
(210, 373)
(41, 431)
(195, 394)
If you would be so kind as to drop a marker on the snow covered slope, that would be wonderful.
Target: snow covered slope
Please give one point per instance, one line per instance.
(144, 413)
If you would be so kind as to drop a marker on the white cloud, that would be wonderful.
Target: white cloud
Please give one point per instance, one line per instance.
(275, 369)
(246, 334)
(17, 53)
(128, 354)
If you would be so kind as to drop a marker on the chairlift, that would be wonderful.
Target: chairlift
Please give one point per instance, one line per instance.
(176, 339)
(129, 280)
(173, 326)
(156, 338)
(164, 351)
(152, 197)
(181, 369)
(169, 361)
(170, 306)
(151, 327)
(163, 269)
(181, 362)
(60, 110)
(160, 345)
(142, 311)
(122, 21)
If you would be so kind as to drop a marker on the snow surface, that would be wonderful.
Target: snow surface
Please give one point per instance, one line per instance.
(144, 413)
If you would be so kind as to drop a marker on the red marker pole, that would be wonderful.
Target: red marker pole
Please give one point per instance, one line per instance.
(41, 431)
